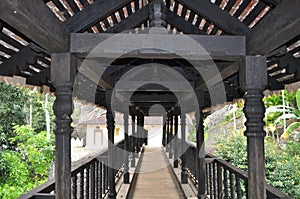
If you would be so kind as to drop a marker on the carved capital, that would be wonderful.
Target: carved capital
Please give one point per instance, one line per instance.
(253, 73)
(63, 108)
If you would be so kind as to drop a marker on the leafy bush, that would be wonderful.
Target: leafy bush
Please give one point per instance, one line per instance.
(27, 166)
(282, 163)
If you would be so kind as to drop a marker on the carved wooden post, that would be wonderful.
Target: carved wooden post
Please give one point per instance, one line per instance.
(200, 159)
(126, 149)
(62, 75)
(139, 130)
(254, 79)
(168, 132)
(164, 130)
(133, 144)
(183, 155)
(111, 148)
(176, 144)
(171, 135)
(156, 13)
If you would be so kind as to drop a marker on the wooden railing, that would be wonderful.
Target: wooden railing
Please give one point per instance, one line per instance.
(89, 177)
(224, 180)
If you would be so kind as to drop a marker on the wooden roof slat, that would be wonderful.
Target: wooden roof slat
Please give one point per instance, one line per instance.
(275, 29)
(133, 21)
(61, 8)
(177, 21)
(94, 13)
(216, 15)
(254, 13)
(43, 27)
(229, 5)
(73, 6)
(241, 8)
(10, 41)
(7, 51)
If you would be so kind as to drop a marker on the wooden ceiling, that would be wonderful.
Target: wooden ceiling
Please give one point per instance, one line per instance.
(32, 30)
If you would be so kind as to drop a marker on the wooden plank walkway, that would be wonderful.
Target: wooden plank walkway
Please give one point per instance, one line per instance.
(154, 178)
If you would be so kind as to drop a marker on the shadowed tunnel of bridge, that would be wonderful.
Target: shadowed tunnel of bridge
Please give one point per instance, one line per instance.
(154, 178)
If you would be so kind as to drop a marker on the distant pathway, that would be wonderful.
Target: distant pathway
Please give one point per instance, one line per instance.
(154, 178)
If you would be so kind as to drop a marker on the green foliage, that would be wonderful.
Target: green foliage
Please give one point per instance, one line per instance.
(25, 153)
(28, 165)
(12, 100)
(282, 163)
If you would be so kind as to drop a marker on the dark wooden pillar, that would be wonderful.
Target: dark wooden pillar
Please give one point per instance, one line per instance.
(133, 143)
(140, 130)
(184, 179)
(254, 79)
(62, 75)
(168, 133)
(171, 135)
(111, 147)
(126, 150)
(164, 130)
(176, 144)
(200, 159)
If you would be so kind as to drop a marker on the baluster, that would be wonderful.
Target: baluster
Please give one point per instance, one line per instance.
(81, 191)
(74, 187)
(106, 177)
(97, 178)
(87, 183)
(210, 180)
(214, 180)
(231, 180)
(246, 186)
(238, 187)
(100, 179)
(92, 188)
(206, 179)
(219, 178)
(226, 184)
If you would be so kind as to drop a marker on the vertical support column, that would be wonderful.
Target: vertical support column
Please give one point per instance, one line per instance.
(176, 144)
(133, 143)
(126, 150)
(143, 138)
(111, 147)
(171, 135)
(183, 155)
(200, 159)
(168, 132)
(253, 77)
(140, 127)
(63, 73)
(156, 13)
(164, 130)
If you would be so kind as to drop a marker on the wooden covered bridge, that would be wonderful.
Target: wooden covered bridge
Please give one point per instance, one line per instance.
(171, 58)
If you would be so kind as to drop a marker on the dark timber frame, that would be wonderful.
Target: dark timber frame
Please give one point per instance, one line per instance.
(249, 61)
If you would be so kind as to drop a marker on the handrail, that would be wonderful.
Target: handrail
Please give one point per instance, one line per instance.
(89, 170)
(223, 180)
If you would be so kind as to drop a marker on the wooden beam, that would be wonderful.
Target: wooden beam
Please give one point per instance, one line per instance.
(275, 29)
(36, 21)
(215, 14)
(94, 13)
(158, 46)
(181, 24)
(133, 21)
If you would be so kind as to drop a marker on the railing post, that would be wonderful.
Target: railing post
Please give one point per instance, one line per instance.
(171, 135)
(126, 149)
(184, 179)
(200, 151)
(139, 130)
(254, 79)
(111, 148)
(62, 75)
(164, 130)
(133, 143)
(176, 144)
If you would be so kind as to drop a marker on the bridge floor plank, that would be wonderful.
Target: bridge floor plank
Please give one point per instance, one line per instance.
(154, 178)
